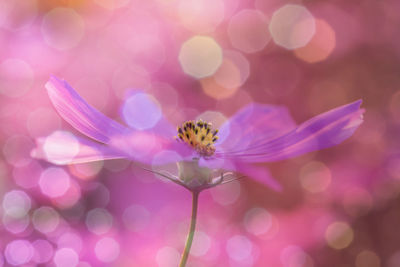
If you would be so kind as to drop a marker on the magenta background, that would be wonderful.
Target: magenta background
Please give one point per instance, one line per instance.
(364, 64)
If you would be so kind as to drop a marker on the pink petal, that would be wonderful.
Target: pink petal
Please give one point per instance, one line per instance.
(149, 148)
(253, 124)
(138, 145)
(80, 114)
(87, 151)
(322, 131)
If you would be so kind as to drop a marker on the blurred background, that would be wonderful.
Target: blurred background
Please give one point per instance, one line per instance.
(202, 59)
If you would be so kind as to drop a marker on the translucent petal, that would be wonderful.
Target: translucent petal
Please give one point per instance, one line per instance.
(322, 131)
(80, 114)
(88, 151)
(138, 145)
(253, 124)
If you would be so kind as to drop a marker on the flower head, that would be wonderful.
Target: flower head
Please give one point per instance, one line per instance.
(256, 133)
(200, 136)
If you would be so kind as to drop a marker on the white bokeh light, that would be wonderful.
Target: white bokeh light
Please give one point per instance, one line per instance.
(315, 177)
(201, 16)
(248, 31)
(217, 119)
(66, 257)
(339, 235)
(18, 252)
(141, 111)
(15, 225)
(201, 244)
(99, 221)
(167, 257)
(45, 219)
(368, 258)
(321, 45)
(16, 204)
(71, 196)
(294, 256)
(54, 182)
(200, 56)
(234, 71)
(239, 247)
(292, 26)
(257, 221)
(61, 147)
(107, 249)
(62, 28)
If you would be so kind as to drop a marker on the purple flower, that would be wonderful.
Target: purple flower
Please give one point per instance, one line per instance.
(256, 133)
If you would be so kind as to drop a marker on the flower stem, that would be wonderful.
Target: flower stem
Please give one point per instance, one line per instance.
(185, 255)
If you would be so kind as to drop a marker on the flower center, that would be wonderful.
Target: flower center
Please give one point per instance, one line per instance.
(199, 135)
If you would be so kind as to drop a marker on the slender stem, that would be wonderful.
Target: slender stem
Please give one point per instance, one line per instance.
(185, 254)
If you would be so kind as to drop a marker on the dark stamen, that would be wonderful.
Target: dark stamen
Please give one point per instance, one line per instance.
(191, 132)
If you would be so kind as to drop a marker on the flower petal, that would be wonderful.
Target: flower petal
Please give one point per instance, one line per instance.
(325, 130)
(72, 151)
(139, 145)
(260, 174)
(148, 147)
(253, 124)
(80, 114)
(142, 112)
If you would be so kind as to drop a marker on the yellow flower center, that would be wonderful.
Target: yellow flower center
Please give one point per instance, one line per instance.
(199, 135)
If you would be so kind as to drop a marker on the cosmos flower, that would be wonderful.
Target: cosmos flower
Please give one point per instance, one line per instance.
(256, 133)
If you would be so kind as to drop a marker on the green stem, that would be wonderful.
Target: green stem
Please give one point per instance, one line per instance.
(189, 240)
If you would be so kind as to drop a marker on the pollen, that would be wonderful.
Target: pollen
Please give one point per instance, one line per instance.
(199, 135)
